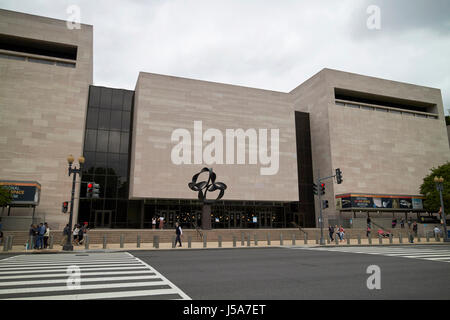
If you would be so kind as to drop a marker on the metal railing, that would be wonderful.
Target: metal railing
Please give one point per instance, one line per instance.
(299, 228)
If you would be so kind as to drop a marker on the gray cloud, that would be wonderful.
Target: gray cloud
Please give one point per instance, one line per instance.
(266, 44)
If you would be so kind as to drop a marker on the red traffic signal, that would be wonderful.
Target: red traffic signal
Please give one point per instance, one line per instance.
(90, 185)
(65, 206)
(322, 189)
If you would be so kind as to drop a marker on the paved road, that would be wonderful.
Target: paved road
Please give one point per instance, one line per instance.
(419, 272)
(283, 273)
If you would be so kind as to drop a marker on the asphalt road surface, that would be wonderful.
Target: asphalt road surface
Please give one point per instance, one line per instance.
(291, 273)
(286, 273)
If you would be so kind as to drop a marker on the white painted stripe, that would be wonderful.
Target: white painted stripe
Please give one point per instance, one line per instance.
(83, 287)
(180, 292)
(83, 280)
(3, 267)
(437, 258)
(65, 267)
(104, 295)
(84, 270)
(61, 275)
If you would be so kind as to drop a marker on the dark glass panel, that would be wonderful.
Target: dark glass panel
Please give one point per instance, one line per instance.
(102, 141)
(84, 210)
(105, 100)
(127, 100)
(114, 141)
(111, 187)
(92, 118)
(90, 142)
(117, 99)
(123, 189)
(104, 119)
(113, 164)
(116, 120)
(122, 209)
(123, 169)
(111, 205)
(89, 162)
(124, 142)
(126, 121)
(97, 204)
(101, 163)
(94, 97)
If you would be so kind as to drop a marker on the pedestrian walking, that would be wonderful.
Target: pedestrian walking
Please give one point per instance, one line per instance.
(1, 236)
(161, 223)
(81, 230)
(331, 232)
(341, 233)
(66, 233)
(402, 223)
(179, 233)
(369, 222)
(153, 223)
(46, 235)
(76, 230)
(336, 229)
(368, 232)
(436, 231)
(409, 223)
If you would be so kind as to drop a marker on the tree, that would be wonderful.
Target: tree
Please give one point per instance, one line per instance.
(432, 201)
(5, 196)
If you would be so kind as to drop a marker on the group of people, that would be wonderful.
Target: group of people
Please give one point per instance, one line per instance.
(159, 221)
(339, 232)
(78, 233)
(40, 234)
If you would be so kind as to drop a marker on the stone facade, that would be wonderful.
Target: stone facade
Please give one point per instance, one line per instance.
(42, 112)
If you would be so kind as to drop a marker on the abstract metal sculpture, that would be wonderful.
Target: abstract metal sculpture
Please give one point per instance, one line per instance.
(202, 188)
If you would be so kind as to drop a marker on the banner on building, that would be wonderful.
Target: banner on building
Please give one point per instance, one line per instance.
(23, 192)
(378, 202)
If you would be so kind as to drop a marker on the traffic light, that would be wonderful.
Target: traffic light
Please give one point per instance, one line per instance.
(65, 206)
(325, 204)
(338, 176)
(90, 189)
(315, 189)
(96, 190)
(322, 189)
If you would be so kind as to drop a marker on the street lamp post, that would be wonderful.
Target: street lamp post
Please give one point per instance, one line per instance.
(68, 246)
(440, 187)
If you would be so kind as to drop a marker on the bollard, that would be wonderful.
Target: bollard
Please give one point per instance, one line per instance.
(336, 239)
(156, 242)
(189, 242)
(391, 238)
(122, 240)
(138, 240)
(219, 238)
(427, 236)
(359, 239)
(234, 241)
(317, 240)
(306, 238)
(380, 240)
(293, 239)
(328, 240)
(348, 240)
(370, 239)
(104, 241)
(268, 239)
(418, 238)
(31, 243)
(438, 237)
(256, 239)
(86, 242)
(400, 238)
(174, 238)
(10, 245)
(248, 240)
(50, 245)
(242, 239)
(204, 241)
(5, 244)
(281, 239)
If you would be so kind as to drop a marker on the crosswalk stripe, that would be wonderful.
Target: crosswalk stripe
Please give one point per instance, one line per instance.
(113, 275)
(82, 287)
(432, 254)
(51, 281)
(103, 295)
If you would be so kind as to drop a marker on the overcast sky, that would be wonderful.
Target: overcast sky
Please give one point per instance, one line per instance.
(272, 45)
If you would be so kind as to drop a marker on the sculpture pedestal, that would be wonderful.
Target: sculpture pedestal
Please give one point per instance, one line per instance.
(206, 217)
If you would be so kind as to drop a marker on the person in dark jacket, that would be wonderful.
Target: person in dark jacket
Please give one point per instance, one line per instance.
(66, 233)
(415, 228)
(179, 233)
(331, 232)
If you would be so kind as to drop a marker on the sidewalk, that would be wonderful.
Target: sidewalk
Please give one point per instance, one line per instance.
(215, 245)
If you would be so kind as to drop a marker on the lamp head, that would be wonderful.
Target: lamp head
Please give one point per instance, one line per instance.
(70, 159)
(81, 160)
